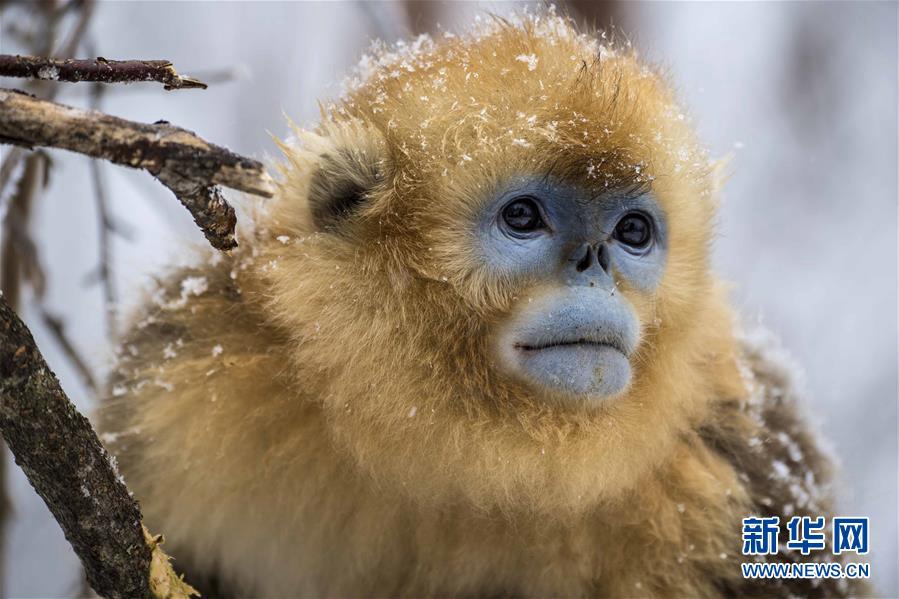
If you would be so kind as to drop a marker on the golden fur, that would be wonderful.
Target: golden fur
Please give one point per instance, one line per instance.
(319, 415)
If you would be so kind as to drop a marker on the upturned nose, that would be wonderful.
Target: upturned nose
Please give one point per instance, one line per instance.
(591, 255)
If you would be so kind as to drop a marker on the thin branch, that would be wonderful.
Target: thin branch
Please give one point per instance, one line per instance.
(209, 76)
(58, 330)
(73, 41)
(68, 467)
(8, 175)
(106, 230)
(99, 70)
(51, 16)
(104, 272)
(22, 248)
(18, 253)
(179, 159)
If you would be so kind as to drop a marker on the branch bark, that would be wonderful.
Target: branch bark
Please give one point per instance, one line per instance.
(99, 70)
(70, 470)
(189, 166)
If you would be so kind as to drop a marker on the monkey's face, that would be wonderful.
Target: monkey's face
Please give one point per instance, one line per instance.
(501, 258)
(572, 331)
(555, 212)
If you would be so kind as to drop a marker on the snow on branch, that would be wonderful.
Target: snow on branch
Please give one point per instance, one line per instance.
(98, 70)
(68, 467)
(189, 166)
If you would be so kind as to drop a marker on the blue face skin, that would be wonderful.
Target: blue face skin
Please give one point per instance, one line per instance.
(572, 333)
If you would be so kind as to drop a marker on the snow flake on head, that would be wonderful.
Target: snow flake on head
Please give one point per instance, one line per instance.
(385, 61)
(390, 61)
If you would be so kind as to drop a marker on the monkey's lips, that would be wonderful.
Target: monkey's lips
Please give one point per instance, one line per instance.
(612, 343)
(591, 367)
(574, 345)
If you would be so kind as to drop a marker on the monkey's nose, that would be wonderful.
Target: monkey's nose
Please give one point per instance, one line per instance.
(588, 254)
(586, 260)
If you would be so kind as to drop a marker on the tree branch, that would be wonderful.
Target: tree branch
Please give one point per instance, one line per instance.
(58, 330)
(70, 470)
(98, 70)
(183, 162)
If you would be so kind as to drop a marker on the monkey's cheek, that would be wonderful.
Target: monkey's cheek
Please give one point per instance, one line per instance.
(587, 371)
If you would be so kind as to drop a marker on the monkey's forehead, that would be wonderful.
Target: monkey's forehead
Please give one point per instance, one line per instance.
(526, 89)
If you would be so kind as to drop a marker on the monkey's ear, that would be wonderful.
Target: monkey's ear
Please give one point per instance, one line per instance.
(349, 169)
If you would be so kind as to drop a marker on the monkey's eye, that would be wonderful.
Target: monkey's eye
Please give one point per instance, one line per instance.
(634, 230)
(522, 215)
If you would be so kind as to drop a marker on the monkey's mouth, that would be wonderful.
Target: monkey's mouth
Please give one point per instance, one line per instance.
(592, 367)
(581, 342)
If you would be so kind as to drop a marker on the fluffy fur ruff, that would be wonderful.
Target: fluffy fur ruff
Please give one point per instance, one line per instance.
(319, 415)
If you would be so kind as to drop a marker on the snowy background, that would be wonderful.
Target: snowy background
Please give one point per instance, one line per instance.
(804, 95)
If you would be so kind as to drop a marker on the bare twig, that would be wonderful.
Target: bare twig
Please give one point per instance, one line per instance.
(105, 274)
(68, 467)
(8, 169)
(19, 254)
(22, 248)
(209, 76)
(99, 70)
(183, 162)
(58, 330)
(76, 34)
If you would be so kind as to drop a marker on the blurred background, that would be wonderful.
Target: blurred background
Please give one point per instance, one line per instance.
(802, 95)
